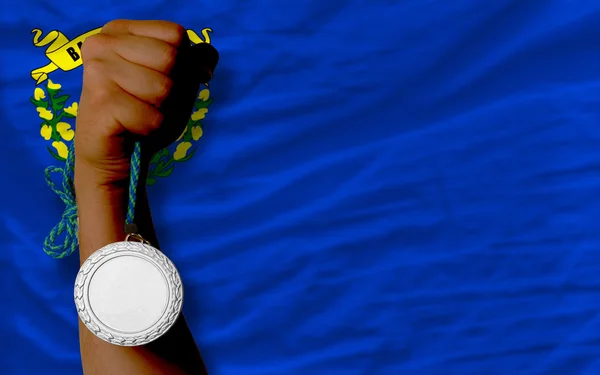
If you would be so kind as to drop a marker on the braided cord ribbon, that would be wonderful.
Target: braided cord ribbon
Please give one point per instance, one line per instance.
(134, 176)
(69, 223)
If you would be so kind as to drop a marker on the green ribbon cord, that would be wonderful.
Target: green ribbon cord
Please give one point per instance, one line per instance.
(68, 224)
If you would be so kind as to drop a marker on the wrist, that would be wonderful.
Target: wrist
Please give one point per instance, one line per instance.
(90, 178)
(101, 207)
(102, 202)
(101, 214)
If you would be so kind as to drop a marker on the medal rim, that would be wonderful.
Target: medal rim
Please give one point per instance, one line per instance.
(149, 253)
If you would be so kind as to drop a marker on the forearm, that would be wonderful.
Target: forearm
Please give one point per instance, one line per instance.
(101, 211)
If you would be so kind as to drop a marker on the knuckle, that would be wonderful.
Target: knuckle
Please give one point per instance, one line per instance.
(93, 71)
(98, 90)
(99, 97)
(114, 25)
(95, 46)
(174, 33)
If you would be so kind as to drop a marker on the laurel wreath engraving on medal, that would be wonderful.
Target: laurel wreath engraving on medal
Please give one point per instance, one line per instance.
(173, 308)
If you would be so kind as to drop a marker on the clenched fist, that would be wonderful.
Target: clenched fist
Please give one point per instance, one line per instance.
(140, 79)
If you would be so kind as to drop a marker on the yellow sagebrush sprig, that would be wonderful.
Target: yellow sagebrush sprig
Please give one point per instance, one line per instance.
(56, 128)
(163, 162)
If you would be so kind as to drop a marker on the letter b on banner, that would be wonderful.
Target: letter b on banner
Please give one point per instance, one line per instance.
(75, 55)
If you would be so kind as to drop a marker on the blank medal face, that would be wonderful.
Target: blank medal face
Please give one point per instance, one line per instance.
(128, 293)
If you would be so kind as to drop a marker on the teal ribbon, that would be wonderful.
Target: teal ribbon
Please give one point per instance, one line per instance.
(68, 224)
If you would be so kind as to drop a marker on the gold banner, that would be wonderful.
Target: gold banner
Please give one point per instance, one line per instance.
(65, 54)
(194, 38)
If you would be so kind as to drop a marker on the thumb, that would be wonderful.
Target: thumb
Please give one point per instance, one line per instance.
(195, 66)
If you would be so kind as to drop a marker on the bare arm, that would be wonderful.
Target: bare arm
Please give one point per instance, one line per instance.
(101, 209)
(139, 82)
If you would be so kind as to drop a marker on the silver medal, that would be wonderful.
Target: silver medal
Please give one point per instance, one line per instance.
(128, 293)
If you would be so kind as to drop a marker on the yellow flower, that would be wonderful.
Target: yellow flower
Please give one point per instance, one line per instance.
(65, 131)
(38, 93)
(72, 109)
(61, 149)
(196, 132)
(199, 114)
(46, 132)
(53, 86)
(44, 113)
(204, 94)
(181, 150)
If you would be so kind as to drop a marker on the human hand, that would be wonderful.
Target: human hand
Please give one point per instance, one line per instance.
(140, 80)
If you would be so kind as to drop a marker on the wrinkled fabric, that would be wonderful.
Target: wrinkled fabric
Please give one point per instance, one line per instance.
(381, 187)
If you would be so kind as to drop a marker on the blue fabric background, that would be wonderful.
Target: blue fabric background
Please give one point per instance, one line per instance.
(383, 187)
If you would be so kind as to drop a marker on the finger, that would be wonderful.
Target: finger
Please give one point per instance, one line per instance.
(134, 115)
(169, 32)
(149, 52)
(143, 83)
